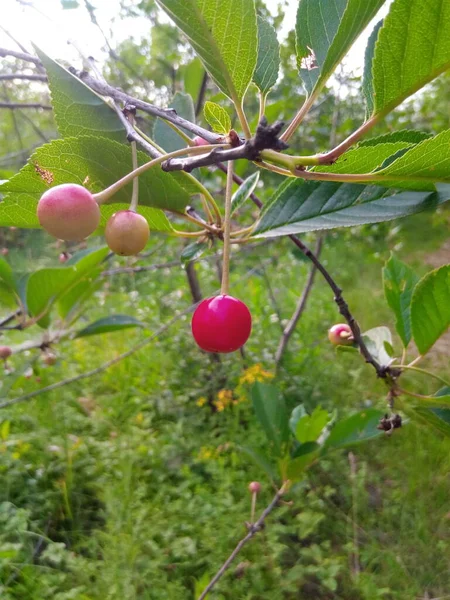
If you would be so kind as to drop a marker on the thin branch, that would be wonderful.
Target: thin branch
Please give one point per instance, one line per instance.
(133, 136)
(382, 371)
(9, 318)
(18, 105)
(300, 308)
(201, 94)
(253, 530)
(266, 137)
(168, 114)
(272, 297)
(33, 125)
(24, 76)
(112, 53)
(20, 55)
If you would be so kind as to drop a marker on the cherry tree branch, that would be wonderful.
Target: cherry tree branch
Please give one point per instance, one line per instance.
(266, 137)
(254, 528)
(300, 308)
(168, 114)
(14, 76)
(22, 105)
(4, 52)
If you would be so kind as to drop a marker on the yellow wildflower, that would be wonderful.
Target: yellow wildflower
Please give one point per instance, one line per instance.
(202, 401)
(205, 453)
(254, 373)
(223, 399)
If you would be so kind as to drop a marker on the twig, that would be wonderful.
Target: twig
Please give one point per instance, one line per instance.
(24, 76)
(301, 305)
(132, 135)
(177, 263)
(168, 114)
(10, 318)
(266, 138)
(112, 53)
(353, 475)
(19, 105)
(201, 94)
(20, 55)
(254, 529)
(272, 297)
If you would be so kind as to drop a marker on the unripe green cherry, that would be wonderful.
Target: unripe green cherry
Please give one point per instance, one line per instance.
(341, 335)
(68, 212)
(127, 233)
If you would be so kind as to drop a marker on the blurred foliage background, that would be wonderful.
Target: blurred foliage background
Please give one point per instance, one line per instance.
(132, 485)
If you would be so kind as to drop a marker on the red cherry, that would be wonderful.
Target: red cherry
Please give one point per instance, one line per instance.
(254, 487)
(5, 352)
(199, 141)
(341, 335)
(68, 212)
(221, 324)
(63, 257)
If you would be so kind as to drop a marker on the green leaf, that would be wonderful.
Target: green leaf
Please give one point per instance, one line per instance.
(270, 410)
(8, 299)
(261, 460)
(325, 31)
(268, 63)
(360, 427)
(410, 136)
(95, 163)
(163, 133)
(224, 35)
(399, 281)
(399, 164)
(6, 274)
(244, 191)
(430, 308)
(365, 159)
(68, 304)
(217, 117)
(309, 427)
(377, 341)
(46, 286)
(438, 418)
(109, 324)
(79, 110)
(298, 207)
(298, 413)
(413, 47)
(193, 252)
(297, 467)
(421, 166)
(367, 82)
(193, 77)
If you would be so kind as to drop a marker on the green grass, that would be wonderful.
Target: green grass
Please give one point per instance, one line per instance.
(120, 487)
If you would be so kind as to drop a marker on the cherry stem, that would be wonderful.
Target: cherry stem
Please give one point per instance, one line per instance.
(135, 193)
(252, 513)
(227, 232)
(106, 194)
